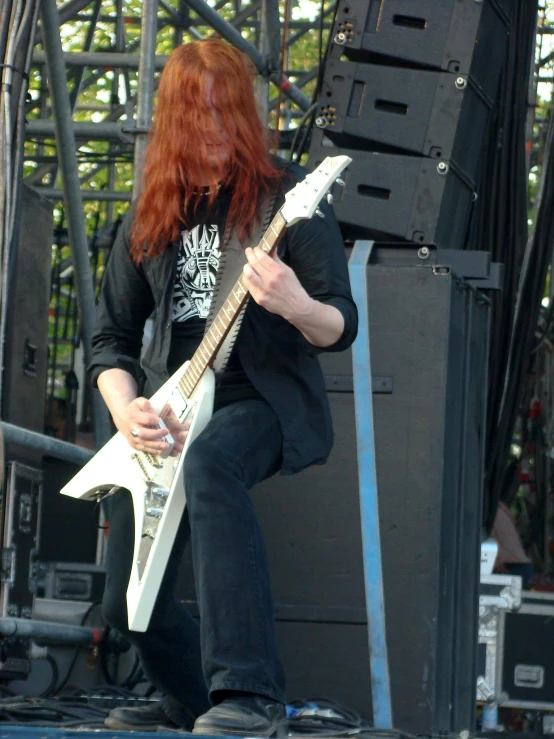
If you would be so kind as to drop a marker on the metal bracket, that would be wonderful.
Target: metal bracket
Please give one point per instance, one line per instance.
(469, 264)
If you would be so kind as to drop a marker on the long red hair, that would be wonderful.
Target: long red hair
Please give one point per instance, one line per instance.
(177, 156)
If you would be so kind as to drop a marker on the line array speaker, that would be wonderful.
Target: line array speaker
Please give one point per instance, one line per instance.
(419, 199)
(457, 36)
(434, 114)
(407, 93)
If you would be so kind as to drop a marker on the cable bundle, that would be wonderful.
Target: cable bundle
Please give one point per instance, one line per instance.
(75, 709)
(500, 227)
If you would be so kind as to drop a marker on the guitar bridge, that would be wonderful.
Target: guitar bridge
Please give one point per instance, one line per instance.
(155, 498)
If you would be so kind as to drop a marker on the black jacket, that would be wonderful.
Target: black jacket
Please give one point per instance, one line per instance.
(279, 362)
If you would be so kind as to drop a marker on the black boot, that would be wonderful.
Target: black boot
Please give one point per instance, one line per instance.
(151, 717)
(245, 715)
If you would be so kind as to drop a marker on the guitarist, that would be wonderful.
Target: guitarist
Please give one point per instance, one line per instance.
(207, 165)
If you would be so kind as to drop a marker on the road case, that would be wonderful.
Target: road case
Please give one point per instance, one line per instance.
(516, 654)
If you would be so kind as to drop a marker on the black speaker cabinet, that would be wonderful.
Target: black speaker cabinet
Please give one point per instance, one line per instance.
(407, 93)
(396, 109)
(26, 348)
(428, 332)
(463, 37)
(68, 527)
(391, 197)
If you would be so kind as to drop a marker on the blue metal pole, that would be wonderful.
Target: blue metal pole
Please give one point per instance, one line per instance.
(369, 503)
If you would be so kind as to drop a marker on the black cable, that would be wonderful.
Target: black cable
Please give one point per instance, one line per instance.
(63, 683)
(299, 129)
(52, 687)
(88, 709)
(76, 651)
(103, 653)
(48, 712)
(499, 226)
(134, 675)
(22, 72)
(75, 709)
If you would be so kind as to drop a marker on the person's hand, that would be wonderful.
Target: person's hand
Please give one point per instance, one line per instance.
(179, 433)
(274, 285)
(139, 423)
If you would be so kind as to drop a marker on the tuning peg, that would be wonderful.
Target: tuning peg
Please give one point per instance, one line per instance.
(340, 181)
(330, 198)
(319, 213)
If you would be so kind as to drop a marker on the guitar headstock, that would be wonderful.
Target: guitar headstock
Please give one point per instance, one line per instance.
(302, 200)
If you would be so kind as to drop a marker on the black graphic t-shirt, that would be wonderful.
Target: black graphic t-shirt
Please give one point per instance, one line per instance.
(195, 276)
(197, 265)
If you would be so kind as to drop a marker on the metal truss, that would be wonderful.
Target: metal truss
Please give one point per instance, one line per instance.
(95, 67)
(122, 66)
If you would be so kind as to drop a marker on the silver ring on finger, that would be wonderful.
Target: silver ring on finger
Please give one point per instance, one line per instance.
(135, 433)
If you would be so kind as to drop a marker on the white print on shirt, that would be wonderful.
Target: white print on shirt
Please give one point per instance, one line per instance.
(197, 264)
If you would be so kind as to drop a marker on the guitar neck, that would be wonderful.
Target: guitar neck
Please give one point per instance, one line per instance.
(221, 325)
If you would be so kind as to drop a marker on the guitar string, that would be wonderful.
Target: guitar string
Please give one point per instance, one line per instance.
(215, 335)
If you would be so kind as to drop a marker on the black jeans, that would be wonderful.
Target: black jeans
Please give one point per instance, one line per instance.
(234, 647)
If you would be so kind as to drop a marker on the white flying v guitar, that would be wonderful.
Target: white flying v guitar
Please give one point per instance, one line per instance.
(156, 484)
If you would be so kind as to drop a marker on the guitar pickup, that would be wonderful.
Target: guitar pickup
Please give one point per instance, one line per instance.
(154, 512)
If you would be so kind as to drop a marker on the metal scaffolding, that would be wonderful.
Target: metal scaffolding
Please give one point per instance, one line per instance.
(95, 68)
(121, 63)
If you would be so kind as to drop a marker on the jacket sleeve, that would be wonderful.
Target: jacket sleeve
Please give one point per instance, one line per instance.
(315, 251)
(126, 301)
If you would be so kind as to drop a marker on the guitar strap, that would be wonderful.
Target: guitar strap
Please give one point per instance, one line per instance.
(230, 267)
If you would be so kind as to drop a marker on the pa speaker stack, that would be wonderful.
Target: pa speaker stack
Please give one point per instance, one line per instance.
(26, 341)
(407, 92)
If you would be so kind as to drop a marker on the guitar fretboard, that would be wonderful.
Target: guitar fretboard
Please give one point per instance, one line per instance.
(222, 323)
